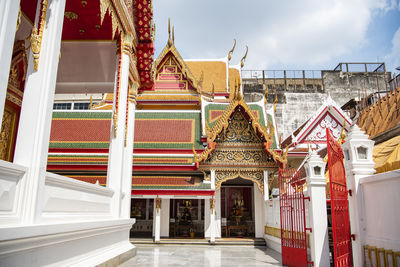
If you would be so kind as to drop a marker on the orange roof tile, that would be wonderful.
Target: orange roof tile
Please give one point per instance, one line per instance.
(214, 72)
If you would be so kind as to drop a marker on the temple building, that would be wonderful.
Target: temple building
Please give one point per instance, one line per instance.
(102, 142)
(198, 148)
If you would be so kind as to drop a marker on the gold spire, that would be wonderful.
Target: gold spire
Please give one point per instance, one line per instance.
(244, 57)
(231, 51)
(173, 35)
(170, 43)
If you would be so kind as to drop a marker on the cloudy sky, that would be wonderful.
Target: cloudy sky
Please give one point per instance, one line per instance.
(283, 34)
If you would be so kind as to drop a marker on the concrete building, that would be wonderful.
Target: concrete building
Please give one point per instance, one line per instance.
(306, 90)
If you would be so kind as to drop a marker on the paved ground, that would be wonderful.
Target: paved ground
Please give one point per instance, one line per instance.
(194, 256)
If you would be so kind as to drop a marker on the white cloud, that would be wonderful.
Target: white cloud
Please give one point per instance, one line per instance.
(279, 33)
(393, 59)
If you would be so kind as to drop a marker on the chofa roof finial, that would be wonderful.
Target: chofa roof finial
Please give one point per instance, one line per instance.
(244, 57)
(169, 33)
(231, 51)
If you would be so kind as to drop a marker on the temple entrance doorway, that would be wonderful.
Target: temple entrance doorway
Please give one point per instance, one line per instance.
(237, 208)
(142, 210)
(186, 218)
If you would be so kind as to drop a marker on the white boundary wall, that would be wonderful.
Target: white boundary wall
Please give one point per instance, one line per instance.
(380, 210)
(272, 219)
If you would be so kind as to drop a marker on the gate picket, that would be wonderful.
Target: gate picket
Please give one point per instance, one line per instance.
(339, 204)
(293, 219)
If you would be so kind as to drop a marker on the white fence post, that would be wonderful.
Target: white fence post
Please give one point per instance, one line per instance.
(358, 163)
(315, 169)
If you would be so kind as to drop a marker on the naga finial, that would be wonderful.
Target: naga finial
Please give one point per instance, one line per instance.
(238, 95)
(275, 101)
(266, 95)
(201, 79)
(169, 33)
(231, 51)
(342, 133)
(244, 57)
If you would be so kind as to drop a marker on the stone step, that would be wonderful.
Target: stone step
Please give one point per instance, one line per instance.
(193, 241)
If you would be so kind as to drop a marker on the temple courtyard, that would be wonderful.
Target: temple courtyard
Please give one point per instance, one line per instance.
(203, 255)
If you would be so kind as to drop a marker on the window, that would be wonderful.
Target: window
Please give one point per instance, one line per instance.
(81, 106)
(62, 106)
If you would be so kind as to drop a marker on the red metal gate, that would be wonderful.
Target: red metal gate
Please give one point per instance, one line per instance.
(339, 204)
(293, 218)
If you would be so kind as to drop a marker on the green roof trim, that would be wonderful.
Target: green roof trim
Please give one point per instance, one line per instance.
(82, 115)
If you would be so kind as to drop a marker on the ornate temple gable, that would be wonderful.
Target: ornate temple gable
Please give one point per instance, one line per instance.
(329, 115)
(174, 84)
(171, 58)
(264, 133)
(239, 152)
(238, 132)
(318, 133)
(238, 145)
(170, 77)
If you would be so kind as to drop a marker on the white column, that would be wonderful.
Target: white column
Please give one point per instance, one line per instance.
(117, 134)
(212, 178)
(358, 163)
(8, 24)
(315, 168)
(213, 224)
(217, 221)
(35, 120)
(157, 220)
(128, 159)
(164, 218)
(266, 186)
(207, 218)
(258, 212)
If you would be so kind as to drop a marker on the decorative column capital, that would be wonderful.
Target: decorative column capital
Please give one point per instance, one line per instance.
(315, 169)
(37, 34)
(126, 43)
(358, 150)
(133, 91)
(212, 204)
(158, 204)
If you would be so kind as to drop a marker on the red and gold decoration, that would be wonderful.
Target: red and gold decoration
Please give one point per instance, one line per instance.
(145, 50)
(12, 108)
(158, 204)
(37, 34)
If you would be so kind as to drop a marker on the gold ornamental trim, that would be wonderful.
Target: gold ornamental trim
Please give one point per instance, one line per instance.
(254, 176)
(125, 18)
(126, 43)
(272, 231)
(120, 19)
(37, 35)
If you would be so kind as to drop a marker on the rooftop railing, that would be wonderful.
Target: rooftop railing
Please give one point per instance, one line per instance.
(281, 74)
(361, 67)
